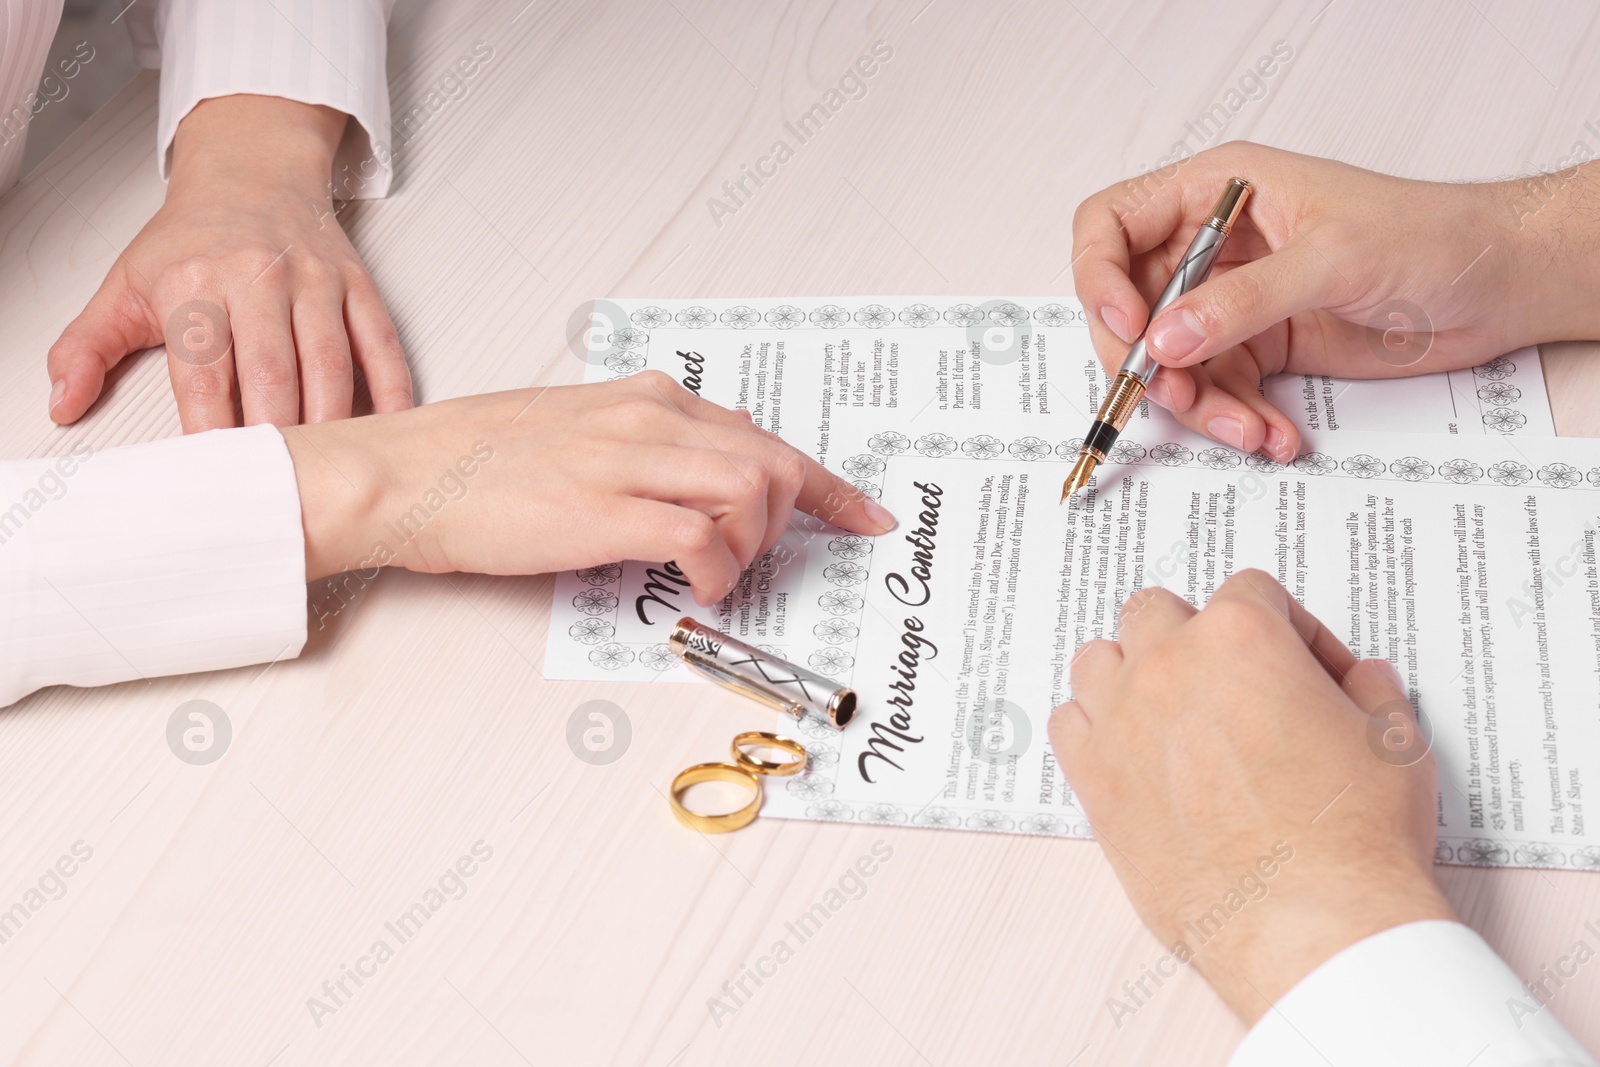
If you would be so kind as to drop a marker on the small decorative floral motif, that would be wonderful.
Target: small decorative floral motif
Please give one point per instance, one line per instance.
(1594, 476)
(990, 821)
(628, 337)
(883, 813)
(1586, 858)
(866, 465)
(1055, 315)
(1497, 368)
(1540, 854)
(595, 601)
(936, 445)
(592, 631)
(889, 443)
(821, 755)
(919, 315)
(612, 657)
(1262, 464)
(830, 316)
(1460, 471)
(1171, 454)
(850, 546)
(1046, 824)
(809, 786)
(785, 317)
(984, 447)
(1560, 475)
(1316, 463)
(1510, 472)
(836, 631)
(741, 317)
(814, 726)
(831, 810)
(940, 817)
(1030, 448)
(840, 602)
(1504, 420)
(868, 488)
(1009, 314)
(1411, 468)
(1499, 393)
(604, 574)
(875, 316)
(695, 317)
(1125, 452)
(963, 315)
(831, 660)
(1218, 459)
(651, 317)
(1483, 851)
(625, 362)
(1069, 449)
(658, 658)
(845, 573)
(1363, 466)
(1443, 853)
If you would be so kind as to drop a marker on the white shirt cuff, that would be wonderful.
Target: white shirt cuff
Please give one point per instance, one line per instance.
(173, 557)
(330, 52)
(1419, 994)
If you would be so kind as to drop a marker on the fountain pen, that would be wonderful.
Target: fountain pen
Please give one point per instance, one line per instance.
(1128, 387)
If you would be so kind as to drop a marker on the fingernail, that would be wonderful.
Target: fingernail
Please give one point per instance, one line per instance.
(1229, 431)
(57, 392)
(1278, 446)
(1176, 333)
(1116, 322)
(880, 515)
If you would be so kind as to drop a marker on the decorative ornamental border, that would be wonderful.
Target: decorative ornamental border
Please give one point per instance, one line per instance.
(1499, 398)
(1486, 852)
(1173, 454)
(1000, 311)
(629, 345)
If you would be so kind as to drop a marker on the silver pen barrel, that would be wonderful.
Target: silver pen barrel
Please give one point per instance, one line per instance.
(1191, 272)
(775, 682)
(1194, 268)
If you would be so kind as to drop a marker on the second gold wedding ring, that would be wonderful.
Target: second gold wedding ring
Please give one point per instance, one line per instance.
(745, 770)
(760, 739)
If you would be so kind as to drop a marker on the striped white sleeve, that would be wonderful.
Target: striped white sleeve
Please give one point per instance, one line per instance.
(330, 52)
(173, 557)
(1422, 993)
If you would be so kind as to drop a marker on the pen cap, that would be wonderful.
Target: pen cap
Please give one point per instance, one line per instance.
(1228, 208)
(760, 675)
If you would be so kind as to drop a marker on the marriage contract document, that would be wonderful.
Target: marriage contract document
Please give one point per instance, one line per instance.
(1466, 556)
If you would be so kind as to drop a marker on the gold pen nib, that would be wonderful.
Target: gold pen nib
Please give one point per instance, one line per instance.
(1082, 471)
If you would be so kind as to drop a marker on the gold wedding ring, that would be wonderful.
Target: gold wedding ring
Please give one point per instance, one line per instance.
(716, 772)
(745, 770)
(760, 739)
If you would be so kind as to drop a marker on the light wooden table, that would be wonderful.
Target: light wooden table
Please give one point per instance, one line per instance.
(219, 898)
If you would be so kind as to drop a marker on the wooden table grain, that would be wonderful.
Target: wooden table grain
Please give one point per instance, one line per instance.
(218, 905)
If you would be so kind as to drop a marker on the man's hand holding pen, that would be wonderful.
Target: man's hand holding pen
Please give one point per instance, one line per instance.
(1324, 265)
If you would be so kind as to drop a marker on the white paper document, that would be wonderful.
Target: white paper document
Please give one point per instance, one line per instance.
(1468, 561)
